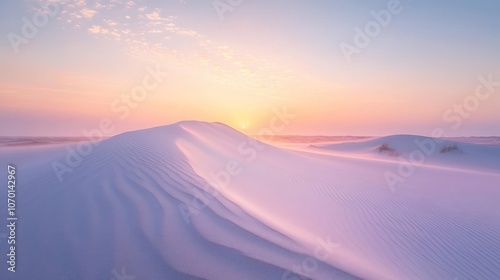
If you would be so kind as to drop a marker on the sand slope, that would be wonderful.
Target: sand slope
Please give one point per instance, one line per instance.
(201, 201)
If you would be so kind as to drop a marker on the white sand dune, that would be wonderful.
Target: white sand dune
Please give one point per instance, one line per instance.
(202, 201)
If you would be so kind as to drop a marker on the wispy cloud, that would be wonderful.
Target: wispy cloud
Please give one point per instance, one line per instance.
(150, 32)
(87, 13)
(96, 29)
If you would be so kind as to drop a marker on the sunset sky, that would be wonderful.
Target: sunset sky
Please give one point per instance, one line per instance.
(239, 65)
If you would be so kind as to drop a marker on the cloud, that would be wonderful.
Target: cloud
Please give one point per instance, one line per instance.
(111, 22)
(188, 32)
(96, 29)
(155, 16)
(87, 13)
(148, 33)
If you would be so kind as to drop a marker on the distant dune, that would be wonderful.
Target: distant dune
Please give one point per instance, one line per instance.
(22, 141)
(198, 200)
(423, 151)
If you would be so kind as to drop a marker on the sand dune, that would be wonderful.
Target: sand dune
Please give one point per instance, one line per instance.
(200, 200)
(440, 152)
